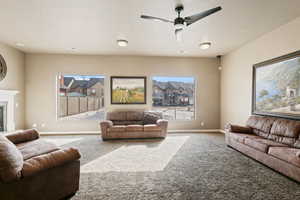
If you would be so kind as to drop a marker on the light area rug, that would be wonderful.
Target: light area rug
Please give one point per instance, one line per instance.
(63, 141)
(137, 157)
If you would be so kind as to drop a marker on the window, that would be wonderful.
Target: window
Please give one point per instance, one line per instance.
(80, 97)
(174, 96)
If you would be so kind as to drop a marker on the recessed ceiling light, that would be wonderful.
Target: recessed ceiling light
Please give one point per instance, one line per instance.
(20, 44)
(122, 43)
(205, 45)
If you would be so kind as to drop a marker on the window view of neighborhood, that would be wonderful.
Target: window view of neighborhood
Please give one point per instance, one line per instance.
(174, 96)
(81, 97)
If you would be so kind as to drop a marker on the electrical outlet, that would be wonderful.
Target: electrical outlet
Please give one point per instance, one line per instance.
(202, 124)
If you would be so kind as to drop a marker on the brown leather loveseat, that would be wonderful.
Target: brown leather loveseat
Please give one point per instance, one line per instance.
(272, 141)
(133, 124)
(32, 168)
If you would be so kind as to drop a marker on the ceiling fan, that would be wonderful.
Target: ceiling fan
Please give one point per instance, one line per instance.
(180, 22)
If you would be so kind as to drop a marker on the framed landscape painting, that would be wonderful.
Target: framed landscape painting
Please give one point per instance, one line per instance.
(128, 90)
(276, 87)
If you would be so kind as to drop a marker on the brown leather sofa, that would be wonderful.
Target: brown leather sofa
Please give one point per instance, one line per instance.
(32, 168)
(272, 141)
(133, 124)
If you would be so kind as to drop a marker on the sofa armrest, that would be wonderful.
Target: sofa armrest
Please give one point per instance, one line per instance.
(23, 136)
(163, 124)
(238, 129)
(54, 159)
(105, 125)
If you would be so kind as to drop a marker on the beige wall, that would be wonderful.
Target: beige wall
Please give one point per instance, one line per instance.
(42, 69)
(14, 80)
(236, 76)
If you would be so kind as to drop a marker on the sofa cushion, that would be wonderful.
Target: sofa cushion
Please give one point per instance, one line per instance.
(118, 128)
(54, 159)
(126, 122)
(23, 136)
(116, 115)
(133, 128)
(11, 160)
(262, 144)
(36, 148)
(134, 115)
(284, 140)
(238, 129)
(151, 117)
(297, 144)
(151, 127)
(285, 131)
(285, 127)
(291, 155)
(261, 125)
(240, 137)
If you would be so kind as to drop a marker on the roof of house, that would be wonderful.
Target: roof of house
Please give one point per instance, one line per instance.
(81, 83)
(173, 85)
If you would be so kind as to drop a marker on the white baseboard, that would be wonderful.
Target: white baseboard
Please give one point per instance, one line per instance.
(70, 133)
(195, 131)
(53, 133)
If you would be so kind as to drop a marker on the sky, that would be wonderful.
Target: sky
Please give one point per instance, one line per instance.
(178, 79)
(83, 77)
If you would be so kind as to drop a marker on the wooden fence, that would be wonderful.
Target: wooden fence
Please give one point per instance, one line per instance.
(76, 105)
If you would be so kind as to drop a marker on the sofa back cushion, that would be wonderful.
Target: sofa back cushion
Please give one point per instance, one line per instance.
(261, 125)
(126, 117)
(126, 122)
(297, 143)
(285, 131)
(11, 160)
(116, 116)
(134, 115)
(151, 117)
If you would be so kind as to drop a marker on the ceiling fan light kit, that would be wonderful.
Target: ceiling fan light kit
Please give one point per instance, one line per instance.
(180, 22)
(178, 35)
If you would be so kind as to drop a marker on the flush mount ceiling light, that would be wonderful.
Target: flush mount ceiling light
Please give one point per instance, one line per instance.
(18, 44)
(122, 43)
(205, 45)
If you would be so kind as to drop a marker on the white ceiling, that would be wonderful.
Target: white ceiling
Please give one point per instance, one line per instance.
(92, 26)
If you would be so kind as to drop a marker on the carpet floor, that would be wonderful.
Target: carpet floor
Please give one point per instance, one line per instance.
(182, 167)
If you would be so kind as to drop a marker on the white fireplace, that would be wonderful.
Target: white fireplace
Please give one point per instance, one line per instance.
(7, 106)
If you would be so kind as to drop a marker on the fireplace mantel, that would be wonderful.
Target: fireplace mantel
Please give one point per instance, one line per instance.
(9, 97)
(9, 92)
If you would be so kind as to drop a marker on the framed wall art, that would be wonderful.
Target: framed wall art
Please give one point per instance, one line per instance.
(128, 90)
(276, 87)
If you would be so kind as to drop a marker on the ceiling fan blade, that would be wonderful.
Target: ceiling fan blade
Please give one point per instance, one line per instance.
(192, 19)
(155, 18)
